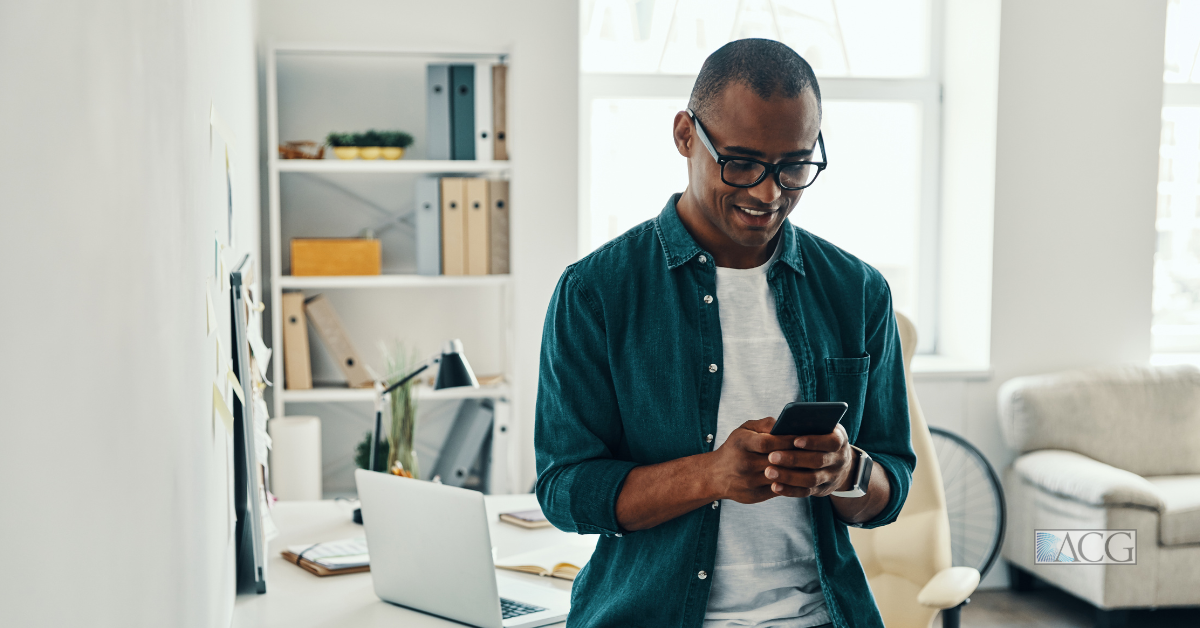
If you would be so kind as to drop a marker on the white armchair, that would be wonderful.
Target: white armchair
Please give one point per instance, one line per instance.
(1113, 448)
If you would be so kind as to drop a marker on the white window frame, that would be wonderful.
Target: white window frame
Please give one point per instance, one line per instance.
(925, 91)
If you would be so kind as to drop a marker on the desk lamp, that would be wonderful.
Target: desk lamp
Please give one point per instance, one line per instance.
(454, 371)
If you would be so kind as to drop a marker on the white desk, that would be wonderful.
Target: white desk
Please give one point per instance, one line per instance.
(298, 599)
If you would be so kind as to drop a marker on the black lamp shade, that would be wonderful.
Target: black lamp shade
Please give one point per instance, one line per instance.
(453, 370)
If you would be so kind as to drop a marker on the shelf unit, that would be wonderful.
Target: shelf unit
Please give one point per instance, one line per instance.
(503, 455)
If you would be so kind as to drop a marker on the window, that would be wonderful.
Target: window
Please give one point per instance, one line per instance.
(1176, 324)
(878, 67)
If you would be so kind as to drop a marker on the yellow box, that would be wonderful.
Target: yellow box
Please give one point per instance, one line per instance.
(335, 256)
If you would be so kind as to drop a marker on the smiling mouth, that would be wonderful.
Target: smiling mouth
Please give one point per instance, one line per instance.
(754, 212)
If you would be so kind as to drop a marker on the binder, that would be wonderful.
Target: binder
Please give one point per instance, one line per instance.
(297, 369)
(454, 227)
(499, 112)
(437, 112)
(478, 234)
(462, 112)
(483, 111)
(429, 226)
(333, 335)
(465, 441)
(498, 227)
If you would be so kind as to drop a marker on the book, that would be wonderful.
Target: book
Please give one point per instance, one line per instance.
(332, 558)
(462, 112)
(333, 335)
(500, 112)
(297, 367)
(560, 561)
(454, 227)
(478, 233)
(526, 518)
(498, 226)
(429, 226)
(437, 112)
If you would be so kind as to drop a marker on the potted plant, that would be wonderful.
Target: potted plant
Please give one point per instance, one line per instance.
(394, 143)
(370, 144)
(343, 145)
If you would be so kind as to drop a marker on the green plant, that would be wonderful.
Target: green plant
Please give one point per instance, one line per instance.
(340, 139)
(362, 453)
(403, 409)
(398, 139)
(370, 138)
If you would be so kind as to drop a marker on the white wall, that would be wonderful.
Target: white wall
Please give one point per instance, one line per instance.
(1080, 97)
(111, 467)
(543, 37)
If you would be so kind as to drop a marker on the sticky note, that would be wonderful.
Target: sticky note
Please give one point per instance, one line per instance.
(237, 386)
(212, 312)
(222, 410)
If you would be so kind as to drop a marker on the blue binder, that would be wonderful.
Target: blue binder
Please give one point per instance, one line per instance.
(462, 112)
(429, 226)
(437, 112)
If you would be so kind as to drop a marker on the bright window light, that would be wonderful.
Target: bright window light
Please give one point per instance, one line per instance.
(848, 38)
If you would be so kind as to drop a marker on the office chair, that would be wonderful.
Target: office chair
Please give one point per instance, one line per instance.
(909, 562)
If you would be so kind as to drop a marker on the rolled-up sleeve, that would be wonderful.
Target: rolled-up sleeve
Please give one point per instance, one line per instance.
(885, 433)
(577, 427)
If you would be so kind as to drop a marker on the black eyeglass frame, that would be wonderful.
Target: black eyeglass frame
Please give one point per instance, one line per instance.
(768, 168)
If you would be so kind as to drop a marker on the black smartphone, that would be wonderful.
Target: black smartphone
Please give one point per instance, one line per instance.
(805, 418)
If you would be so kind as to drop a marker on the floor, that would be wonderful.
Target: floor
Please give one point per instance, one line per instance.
(1051, 608)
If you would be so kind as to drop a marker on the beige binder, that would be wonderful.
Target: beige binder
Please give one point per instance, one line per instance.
(498, 225)
(499, 112)
(478, 233)
(454, 227)
(297, 369)
(329, 327)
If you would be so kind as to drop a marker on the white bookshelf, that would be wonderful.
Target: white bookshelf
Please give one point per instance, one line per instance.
(503, 456)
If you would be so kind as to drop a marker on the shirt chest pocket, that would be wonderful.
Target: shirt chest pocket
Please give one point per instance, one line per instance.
(846, 380)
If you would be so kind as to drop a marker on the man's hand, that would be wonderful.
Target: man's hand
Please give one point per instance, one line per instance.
(738, 470)
(818, 466)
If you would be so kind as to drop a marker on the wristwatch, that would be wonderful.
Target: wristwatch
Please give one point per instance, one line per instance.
(862, 479)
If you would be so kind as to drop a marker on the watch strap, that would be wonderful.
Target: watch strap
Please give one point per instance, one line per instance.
(862, 476)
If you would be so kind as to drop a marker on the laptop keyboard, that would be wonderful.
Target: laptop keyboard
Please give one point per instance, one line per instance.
(509, 608)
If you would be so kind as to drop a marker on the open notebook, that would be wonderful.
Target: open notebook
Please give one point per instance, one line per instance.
(332, 558)
(560, 561)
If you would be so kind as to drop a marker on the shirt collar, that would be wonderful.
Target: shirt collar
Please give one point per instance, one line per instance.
(680, 247)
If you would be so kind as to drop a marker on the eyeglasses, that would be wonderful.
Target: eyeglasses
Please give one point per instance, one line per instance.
(743, 172)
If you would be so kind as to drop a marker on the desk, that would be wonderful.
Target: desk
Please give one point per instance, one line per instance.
(298, 599)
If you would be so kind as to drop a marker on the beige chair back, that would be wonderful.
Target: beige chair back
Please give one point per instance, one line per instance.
(900, 558)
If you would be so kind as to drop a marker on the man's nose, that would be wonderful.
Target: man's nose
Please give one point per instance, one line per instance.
(767, 190)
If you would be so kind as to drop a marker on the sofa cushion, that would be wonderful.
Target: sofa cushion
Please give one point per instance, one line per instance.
(1077, 477)
(1179, 522)
(1145, 420)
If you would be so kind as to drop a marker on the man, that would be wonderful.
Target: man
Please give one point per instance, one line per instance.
(664, 349)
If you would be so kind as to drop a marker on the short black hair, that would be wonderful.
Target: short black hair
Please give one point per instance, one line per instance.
(765, 66)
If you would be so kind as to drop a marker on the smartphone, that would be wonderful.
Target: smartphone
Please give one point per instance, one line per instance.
(805, 418)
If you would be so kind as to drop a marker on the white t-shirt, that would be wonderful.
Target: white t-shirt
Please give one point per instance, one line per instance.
(766, 571)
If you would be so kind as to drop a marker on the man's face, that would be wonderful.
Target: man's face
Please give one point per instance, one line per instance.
(744, 125)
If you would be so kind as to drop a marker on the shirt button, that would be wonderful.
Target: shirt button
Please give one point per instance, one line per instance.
(708, 439)
(619, 534)
(702, 575)
(703, 260)
(715, 505)
(708, 298)
(712, 368)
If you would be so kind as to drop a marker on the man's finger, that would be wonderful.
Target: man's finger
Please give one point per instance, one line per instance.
(796, 477)
(761, 426)
(804, 459)
(766, 443)
(790, 491)
(822, 442)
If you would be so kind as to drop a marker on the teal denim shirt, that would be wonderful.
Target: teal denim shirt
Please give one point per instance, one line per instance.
(627, 379)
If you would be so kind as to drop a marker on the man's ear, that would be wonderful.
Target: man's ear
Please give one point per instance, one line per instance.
(684, 139)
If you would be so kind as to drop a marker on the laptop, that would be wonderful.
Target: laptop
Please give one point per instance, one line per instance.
(431, 551)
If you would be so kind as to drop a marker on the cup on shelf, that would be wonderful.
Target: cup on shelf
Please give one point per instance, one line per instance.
(392, 152)
(369, 152)
(346, 152)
